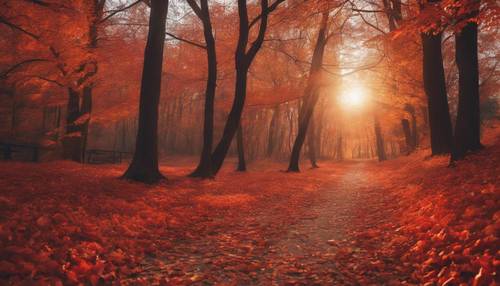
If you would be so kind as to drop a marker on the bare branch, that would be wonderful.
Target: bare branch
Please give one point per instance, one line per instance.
(267, 11)
(16, 27)
(196, 9)
(5, 73)
(119, 10)
(201, 46)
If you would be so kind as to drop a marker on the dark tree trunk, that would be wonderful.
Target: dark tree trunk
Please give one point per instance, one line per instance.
(273, 127)
(318, 131)
(243, 59)
(80, 102)
(242, 166)
(435, 89)
(468, 124)
(58, 122)
(205, 168)
(72, 111)
(232, 123)
(86, 110)
(379, 141)
(311, 143)
(72, 141)
(311, 94)
(414, 131)
(144, 166)
(406, 130)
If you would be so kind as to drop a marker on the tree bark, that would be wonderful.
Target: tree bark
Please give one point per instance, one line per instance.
(144, 166)
(379, 141)
(242, 166)
(311, 143)
(243, 59)
(435, 89)
(414, 131)
(80, 102)
(273, 127)
(468, 124)
(205, 168)
(72, 141)
(311, 94)
(406, 130)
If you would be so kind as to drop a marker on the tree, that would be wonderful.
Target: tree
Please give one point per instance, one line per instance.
(379, 140)
(311, 93)
(79, 104)
(407, 132)
(467, 127)
(242, 165)
(273, 127)
(435, 89)
(244, 57)
(311, 143)
(205, 168)
(144, 165)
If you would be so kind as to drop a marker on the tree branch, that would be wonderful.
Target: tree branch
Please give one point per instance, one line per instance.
(267, 11)
(5, 73)
(201, 46)
(196, 9)
(119, 10)
(16, 27)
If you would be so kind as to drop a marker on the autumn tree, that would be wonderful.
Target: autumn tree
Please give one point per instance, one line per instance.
(144, 165)
(435, 86)
(311, 93)
(244, 57)
(205, 168)
(467, 128)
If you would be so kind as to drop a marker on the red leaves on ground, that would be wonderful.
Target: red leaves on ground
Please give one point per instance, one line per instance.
(64, 223)
(410, 220)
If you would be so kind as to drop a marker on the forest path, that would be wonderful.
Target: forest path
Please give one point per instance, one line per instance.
(310, 244)
(311, 252)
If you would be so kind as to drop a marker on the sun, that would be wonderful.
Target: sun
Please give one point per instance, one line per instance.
(353, 98)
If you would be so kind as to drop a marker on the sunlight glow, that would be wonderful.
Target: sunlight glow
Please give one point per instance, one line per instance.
(353, 98)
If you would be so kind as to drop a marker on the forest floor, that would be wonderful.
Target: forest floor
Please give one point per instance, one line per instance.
(411, 220)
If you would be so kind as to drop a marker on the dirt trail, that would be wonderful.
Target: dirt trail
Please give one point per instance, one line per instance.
(350, 203)
(307, 252)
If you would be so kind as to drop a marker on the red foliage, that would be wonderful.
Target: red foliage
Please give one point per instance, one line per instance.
(64, 223)
(445, 223)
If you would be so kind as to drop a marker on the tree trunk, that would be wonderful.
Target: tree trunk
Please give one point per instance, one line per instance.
(311, 143)
(311, 94)
(86, 110)
(272, 131)
(435, 89)
(242, 166)
(205, 168)
(232, 123)
(467, 127)
(406, 130)
(144, 166)
(243, 59)
(58, 122)
(78, 114)
(414, 131)
(379, 142)
(72, 141)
